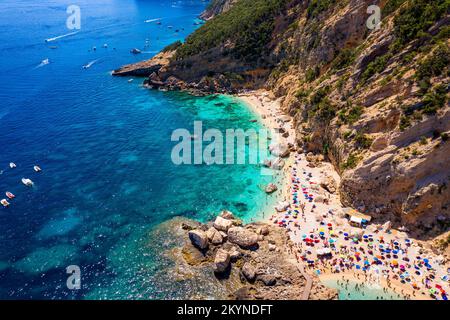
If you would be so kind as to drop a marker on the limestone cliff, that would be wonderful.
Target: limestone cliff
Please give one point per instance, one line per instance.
(372, 97)
(217, 7)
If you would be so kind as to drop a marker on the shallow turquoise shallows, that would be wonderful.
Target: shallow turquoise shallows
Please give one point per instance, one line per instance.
(359, 291)
(104, 146)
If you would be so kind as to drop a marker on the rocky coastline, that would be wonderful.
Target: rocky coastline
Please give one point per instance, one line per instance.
(258, 258)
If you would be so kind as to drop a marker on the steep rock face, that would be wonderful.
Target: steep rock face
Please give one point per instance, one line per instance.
(217, 7)
(360, 97)
(373, 101)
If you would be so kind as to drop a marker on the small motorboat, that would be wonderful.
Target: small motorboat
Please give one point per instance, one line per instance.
(37, 169)
(135, 51)
(4, 202)
(10, 195)
(12, 165)
(130, 80)
(105, 45)
(27, 182)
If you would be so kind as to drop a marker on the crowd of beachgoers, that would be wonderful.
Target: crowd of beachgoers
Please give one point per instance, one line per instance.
(329, 246)
(370, 253)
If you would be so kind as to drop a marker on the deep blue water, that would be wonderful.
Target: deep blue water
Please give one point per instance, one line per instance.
(104, 146)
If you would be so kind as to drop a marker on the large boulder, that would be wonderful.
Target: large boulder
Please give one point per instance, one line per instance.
(267, 279)
(221, 261)
(271, 188)
(263, 230)
(329, 184)
(227, 215)
(278, 164)
(242, 237)
(222, 224)
(279, 150)
(249, 271)
(387, 226)
(282, 206)
(214, 236)
(199, 238)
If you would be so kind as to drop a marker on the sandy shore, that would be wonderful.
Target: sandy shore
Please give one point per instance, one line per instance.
(359, 277)
(311, 215)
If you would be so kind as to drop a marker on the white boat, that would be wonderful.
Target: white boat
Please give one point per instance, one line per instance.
(4, 203)
(130, 80)
(27, 182)
(105, 45)
(135, 51)
(12, 165)
(37, 169)
(90, 64)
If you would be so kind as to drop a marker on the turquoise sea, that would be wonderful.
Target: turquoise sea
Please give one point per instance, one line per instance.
(360, 291)
(104, 146)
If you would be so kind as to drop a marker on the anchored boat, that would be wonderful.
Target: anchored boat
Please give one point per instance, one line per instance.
(4, 203)
(10, 195)
(27, 182)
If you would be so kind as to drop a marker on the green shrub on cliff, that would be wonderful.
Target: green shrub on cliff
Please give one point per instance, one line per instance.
(415, 18)
(172, 46)
(351, 162)
(376, 66)
(248, 25)
(352, 115)
(435, 100)
(316, 7)
(391, 6)
(435, 64)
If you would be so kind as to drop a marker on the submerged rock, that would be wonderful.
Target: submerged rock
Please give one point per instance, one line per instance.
(271, 188)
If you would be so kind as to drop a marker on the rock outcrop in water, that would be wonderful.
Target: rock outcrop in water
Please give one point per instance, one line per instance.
(255, 261)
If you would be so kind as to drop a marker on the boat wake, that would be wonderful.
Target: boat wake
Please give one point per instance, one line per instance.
(43, 63)
(153, 20)
(90, 64)
(60, 37)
